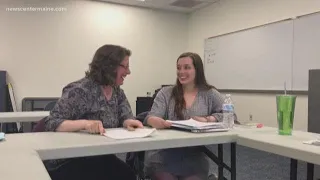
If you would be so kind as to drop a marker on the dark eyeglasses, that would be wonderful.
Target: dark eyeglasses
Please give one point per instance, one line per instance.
(125, 67)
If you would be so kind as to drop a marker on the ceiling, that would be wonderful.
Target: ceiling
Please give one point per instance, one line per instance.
(185, 6)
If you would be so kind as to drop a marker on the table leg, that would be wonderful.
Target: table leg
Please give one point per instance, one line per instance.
(220, 157)
(310, 171)
(219, 160)
(233, 161)
(293, 169)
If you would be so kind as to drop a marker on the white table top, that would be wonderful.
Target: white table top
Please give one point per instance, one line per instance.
(25, 116)
(267, 139)
(21, 164)
(51, 145)
(31, 147)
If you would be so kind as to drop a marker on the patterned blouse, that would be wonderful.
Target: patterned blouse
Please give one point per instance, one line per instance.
(84, 99)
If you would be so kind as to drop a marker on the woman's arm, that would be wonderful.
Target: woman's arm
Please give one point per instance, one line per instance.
(158, 112)
(216, 113)
(71, 125)
(70, 107)
(209, 118)
(158, 122)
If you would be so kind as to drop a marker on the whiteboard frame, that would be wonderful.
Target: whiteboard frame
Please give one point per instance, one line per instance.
(259, 91)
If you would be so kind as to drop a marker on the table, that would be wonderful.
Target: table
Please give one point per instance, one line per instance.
(267, 139)
(21, 163)
(31, 148)
(25, 116)
(52, 145)
(20, 117)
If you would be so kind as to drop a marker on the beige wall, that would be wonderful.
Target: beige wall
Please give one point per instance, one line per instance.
(43, 51)
(232, 15)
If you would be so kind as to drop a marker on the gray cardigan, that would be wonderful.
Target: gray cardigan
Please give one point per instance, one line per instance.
(207, 102)
(182, 161)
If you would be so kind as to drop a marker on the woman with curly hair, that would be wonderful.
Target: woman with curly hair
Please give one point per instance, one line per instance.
(94, 103)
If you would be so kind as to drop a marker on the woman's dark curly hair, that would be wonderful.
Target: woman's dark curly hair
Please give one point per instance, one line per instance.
(103, 67)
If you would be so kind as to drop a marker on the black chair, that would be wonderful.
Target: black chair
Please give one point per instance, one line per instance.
(50, 106)
(39, 127)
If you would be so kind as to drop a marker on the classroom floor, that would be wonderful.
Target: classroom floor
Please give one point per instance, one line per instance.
(253, 164)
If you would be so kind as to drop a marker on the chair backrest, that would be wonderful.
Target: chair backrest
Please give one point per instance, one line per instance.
(40, 126)
(50, 106)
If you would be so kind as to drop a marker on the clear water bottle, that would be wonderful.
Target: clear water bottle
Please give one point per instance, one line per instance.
(228, 111)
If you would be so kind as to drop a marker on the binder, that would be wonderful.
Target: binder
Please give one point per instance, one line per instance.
(192, 125)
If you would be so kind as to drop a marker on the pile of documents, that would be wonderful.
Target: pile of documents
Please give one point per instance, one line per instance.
(196, 126)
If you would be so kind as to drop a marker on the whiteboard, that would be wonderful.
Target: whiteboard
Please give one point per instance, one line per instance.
(258, 59)
(306, 49)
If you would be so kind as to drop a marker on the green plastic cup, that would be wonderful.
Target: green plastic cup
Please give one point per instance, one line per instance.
(285, 113)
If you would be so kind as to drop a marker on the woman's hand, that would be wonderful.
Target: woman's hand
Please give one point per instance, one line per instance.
(132, 124)
(204, 119)
(94, 127)
(158, 123)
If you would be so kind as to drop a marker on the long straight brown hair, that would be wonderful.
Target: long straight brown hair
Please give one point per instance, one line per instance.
(200, 83)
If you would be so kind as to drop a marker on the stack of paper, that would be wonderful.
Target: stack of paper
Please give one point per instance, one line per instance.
(196, 126)
(121, 133)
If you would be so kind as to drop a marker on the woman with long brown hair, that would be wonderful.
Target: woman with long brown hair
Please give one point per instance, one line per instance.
(190, 97)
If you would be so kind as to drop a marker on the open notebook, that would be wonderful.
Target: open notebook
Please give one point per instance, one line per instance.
(196, 126)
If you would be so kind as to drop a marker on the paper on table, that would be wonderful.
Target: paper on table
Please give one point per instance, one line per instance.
(312, 142)
(121, 133)
(193, 123)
